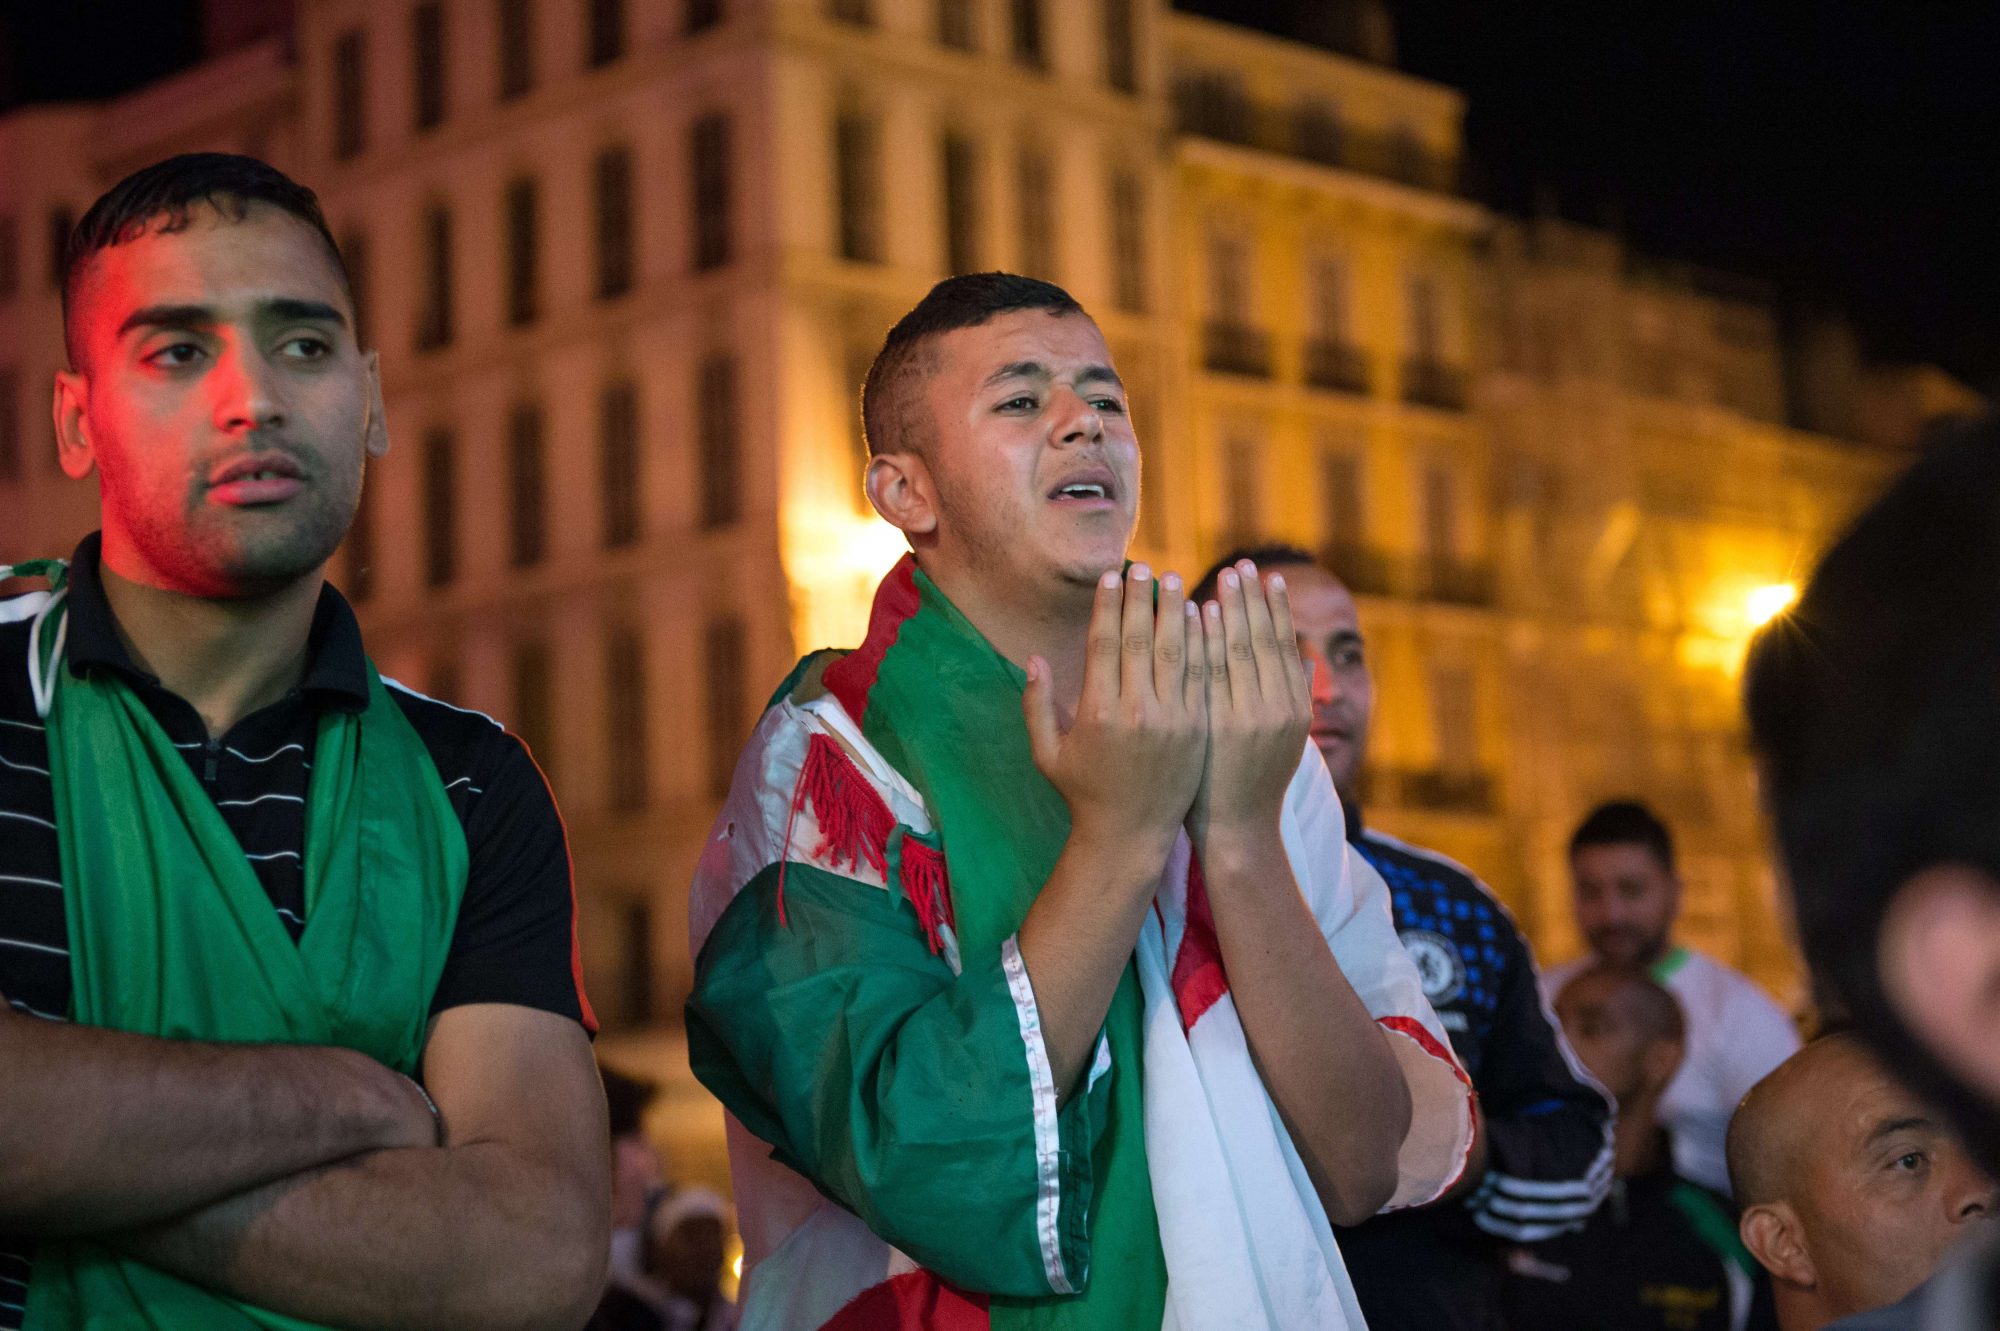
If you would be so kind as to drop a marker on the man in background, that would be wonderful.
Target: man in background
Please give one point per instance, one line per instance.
(1661, 1254)
(1542, 1160)
(1627, 897)
(1852, 1189)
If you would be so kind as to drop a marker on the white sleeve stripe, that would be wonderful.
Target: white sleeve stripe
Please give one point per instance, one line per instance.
(1503, 1206)
(1523, 1233)
(1048, 1142)
(1594, 1183)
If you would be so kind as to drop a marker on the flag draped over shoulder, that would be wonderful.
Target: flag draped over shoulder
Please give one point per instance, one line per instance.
(902, 1157)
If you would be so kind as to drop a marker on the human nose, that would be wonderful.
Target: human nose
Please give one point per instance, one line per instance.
(1972, 1194)
(246, 399)
(1323, 685)
(1076, 421)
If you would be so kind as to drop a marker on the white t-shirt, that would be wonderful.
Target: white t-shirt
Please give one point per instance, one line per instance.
(1735, 1036)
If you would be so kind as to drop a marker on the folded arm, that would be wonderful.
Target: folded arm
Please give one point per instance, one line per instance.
(101, 1130)
(504, 1226)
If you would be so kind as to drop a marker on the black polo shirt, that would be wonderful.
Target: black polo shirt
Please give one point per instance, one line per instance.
(516, 935)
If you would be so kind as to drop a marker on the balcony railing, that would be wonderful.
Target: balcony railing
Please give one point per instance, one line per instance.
(1430, 383)
(1458, 582)
(1366, 571)
(1235, 349)
(1442, 790)
(1215, 108)
(1340, 366)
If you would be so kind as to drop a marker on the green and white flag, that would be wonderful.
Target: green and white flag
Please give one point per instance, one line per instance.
(861, 1009)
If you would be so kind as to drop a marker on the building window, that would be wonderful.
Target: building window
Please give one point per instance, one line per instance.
(517, 47)
(703, 15)
(523, 252)
(359, 582)
(350, 94)
(856, 154)
(533, 703)
(527, 485)
(1128, 242)
(1121, 53)
(716, 429)
(724, 664)
(427, 56)
(860, 358)
(1026, 28)
(625, 719)
(354, 257)
(633, 985)
(710, 140)
(861, 13)
(619, 478)
(1327, 290)
(606, 35)
(10, 425)
(60, 223)
(434, 323)
(1340, 505)
(1228, 281)
(1239, 492)
(440, 509)
(956, 25)
(1424, 340)
(1032, 192)
(961, 204)
(1440, 516)
(1454, 711)
(612, 187)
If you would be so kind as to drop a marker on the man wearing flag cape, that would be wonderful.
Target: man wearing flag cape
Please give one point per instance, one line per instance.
(1031, 964)
(250, 891)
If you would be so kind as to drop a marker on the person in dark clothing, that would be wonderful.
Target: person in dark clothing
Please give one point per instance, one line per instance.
(1542, 1159)
(1662, 1253)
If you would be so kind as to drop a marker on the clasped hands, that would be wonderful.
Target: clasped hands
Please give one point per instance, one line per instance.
(1190, 715)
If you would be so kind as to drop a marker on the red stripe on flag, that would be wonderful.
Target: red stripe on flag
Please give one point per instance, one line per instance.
(851, 678)
(1198, 976)
(1427, 1042)
(913, 1301)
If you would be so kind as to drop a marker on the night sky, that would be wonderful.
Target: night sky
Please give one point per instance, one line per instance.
(1845, 150)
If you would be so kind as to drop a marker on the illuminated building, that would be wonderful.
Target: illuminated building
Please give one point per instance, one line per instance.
(626, 261)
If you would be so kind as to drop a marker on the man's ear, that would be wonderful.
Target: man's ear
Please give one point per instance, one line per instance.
(73, 446)
(1939, 954)
(375, 431)
(899, 485)
(1771, 1232)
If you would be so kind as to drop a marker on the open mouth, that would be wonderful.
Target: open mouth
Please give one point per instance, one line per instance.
(1090, 489)
(269, 479)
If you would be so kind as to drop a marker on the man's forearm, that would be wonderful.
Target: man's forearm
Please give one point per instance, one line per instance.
(1327, 1065)
(1077, 939)
(474, 1236)
(101, 1130)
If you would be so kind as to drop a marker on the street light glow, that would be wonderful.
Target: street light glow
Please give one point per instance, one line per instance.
(1768, 602)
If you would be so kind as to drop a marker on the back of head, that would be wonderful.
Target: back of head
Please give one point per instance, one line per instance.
(1623, 823)
(627, 1099)
(163, 197)
(893, 416)
(1274, 555)
(1874, 708)
(1768, 1128)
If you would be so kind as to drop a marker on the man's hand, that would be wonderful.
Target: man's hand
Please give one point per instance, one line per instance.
(1130, 761)
(1259, 706)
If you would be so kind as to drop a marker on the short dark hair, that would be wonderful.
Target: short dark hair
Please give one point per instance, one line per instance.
(1274, 555)
(167, 192)
(626, 1099)
(1658, 1008)
(892, 419)
(1874, 710)
(1625, 823)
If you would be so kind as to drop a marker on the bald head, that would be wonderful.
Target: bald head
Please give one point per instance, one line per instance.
(1851, 1188)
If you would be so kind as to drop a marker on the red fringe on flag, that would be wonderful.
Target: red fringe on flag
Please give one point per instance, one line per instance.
(928, 888)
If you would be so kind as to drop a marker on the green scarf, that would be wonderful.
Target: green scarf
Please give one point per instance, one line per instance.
(172, 935)
(944, 708)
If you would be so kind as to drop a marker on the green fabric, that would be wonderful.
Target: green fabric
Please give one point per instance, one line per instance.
(897, 1087)
(1670, 965)
(171, 934)
(945, 712)
(1712, 1223)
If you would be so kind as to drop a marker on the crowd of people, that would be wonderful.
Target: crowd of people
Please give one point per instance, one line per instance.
(1047, 964)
